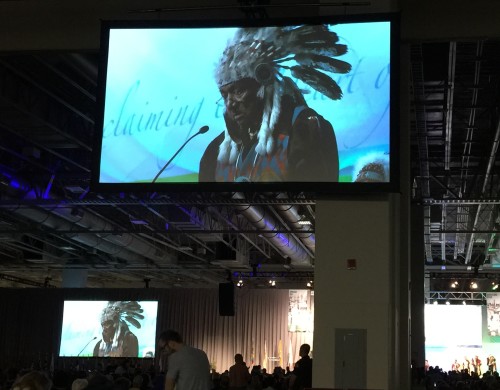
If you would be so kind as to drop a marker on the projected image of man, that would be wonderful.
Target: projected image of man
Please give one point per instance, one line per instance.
(117, 338)
(271, 134)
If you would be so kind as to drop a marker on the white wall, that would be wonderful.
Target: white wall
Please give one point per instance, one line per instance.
(361, 298)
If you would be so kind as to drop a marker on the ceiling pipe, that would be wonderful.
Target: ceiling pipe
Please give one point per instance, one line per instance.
(118, 245)
(284, 242)
(419, 94)
(491, 158)
(487, 178)
(291, 214)
(89, 221)
(46, 218)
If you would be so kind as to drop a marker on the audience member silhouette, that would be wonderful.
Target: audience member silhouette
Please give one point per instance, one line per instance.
(238, 374)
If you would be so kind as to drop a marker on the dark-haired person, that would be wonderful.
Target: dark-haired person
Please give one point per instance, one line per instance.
(188, 367)
(238, 374)
(34, 380)
(271, 134)
(301, 377)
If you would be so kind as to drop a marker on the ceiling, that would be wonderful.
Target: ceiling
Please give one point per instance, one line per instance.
(455, 131)
(53, 228)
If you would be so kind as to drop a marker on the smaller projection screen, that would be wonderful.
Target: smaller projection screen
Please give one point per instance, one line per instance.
(109, 329)
(257, 105)
(493, 316)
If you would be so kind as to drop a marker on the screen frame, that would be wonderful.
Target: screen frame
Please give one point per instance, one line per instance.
(320, 188)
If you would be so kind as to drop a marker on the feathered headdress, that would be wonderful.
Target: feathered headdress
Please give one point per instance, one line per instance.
(123, 311)
(264, 53)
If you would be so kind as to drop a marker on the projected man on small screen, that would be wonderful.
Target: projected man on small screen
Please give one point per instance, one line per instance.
(117, 339)
(271, 134)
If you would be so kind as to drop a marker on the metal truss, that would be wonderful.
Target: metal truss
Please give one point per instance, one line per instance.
(455, 296)
(27, 282)
(184, 199)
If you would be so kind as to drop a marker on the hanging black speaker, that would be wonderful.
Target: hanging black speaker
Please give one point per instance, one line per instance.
(226, 299)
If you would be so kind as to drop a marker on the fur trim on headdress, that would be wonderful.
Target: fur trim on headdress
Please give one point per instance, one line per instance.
(261, 54)
(373, 167)
(228, 150)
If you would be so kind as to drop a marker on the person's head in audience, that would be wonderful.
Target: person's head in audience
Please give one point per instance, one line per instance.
(34, 380)
(170, 340)
(255, 370)
(304, 350)
(79, 384)
(238, 358)
(99, 381)
(121, 383)
(137, 382)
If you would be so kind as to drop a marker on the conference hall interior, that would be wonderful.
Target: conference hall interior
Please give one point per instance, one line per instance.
(394, 285)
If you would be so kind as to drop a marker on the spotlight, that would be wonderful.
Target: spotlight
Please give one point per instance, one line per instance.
(473, 285)
(435, 302)
(494, 286)
(309, 284)
(304, 221)
(454, 284)
(464, 303)
(239, 284)
(272, 283)
(448, 303)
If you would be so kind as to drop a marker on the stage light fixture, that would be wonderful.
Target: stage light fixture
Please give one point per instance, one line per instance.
(448, 302)
(272, 283)
(464, 303)
(239, 284)
(454, 284)
(435, 302)
(473, 285)
(494, 286)
(310, 284)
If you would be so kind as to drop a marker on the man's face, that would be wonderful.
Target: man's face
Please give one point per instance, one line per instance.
(241, 102)
(164, 346)
(108, 330)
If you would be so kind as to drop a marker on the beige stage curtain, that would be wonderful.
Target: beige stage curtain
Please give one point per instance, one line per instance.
(260, 320)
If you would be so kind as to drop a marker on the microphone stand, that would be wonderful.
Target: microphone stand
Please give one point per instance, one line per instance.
(86, 345)
(204, 129)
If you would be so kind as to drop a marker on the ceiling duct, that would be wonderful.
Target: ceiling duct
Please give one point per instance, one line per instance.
(126, 247)
(270, 228)
(292, 216)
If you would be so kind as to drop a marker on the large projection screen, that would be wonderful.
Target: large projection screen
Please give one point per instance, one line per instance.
(453, 332)
(159, 87)
(131, 327)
